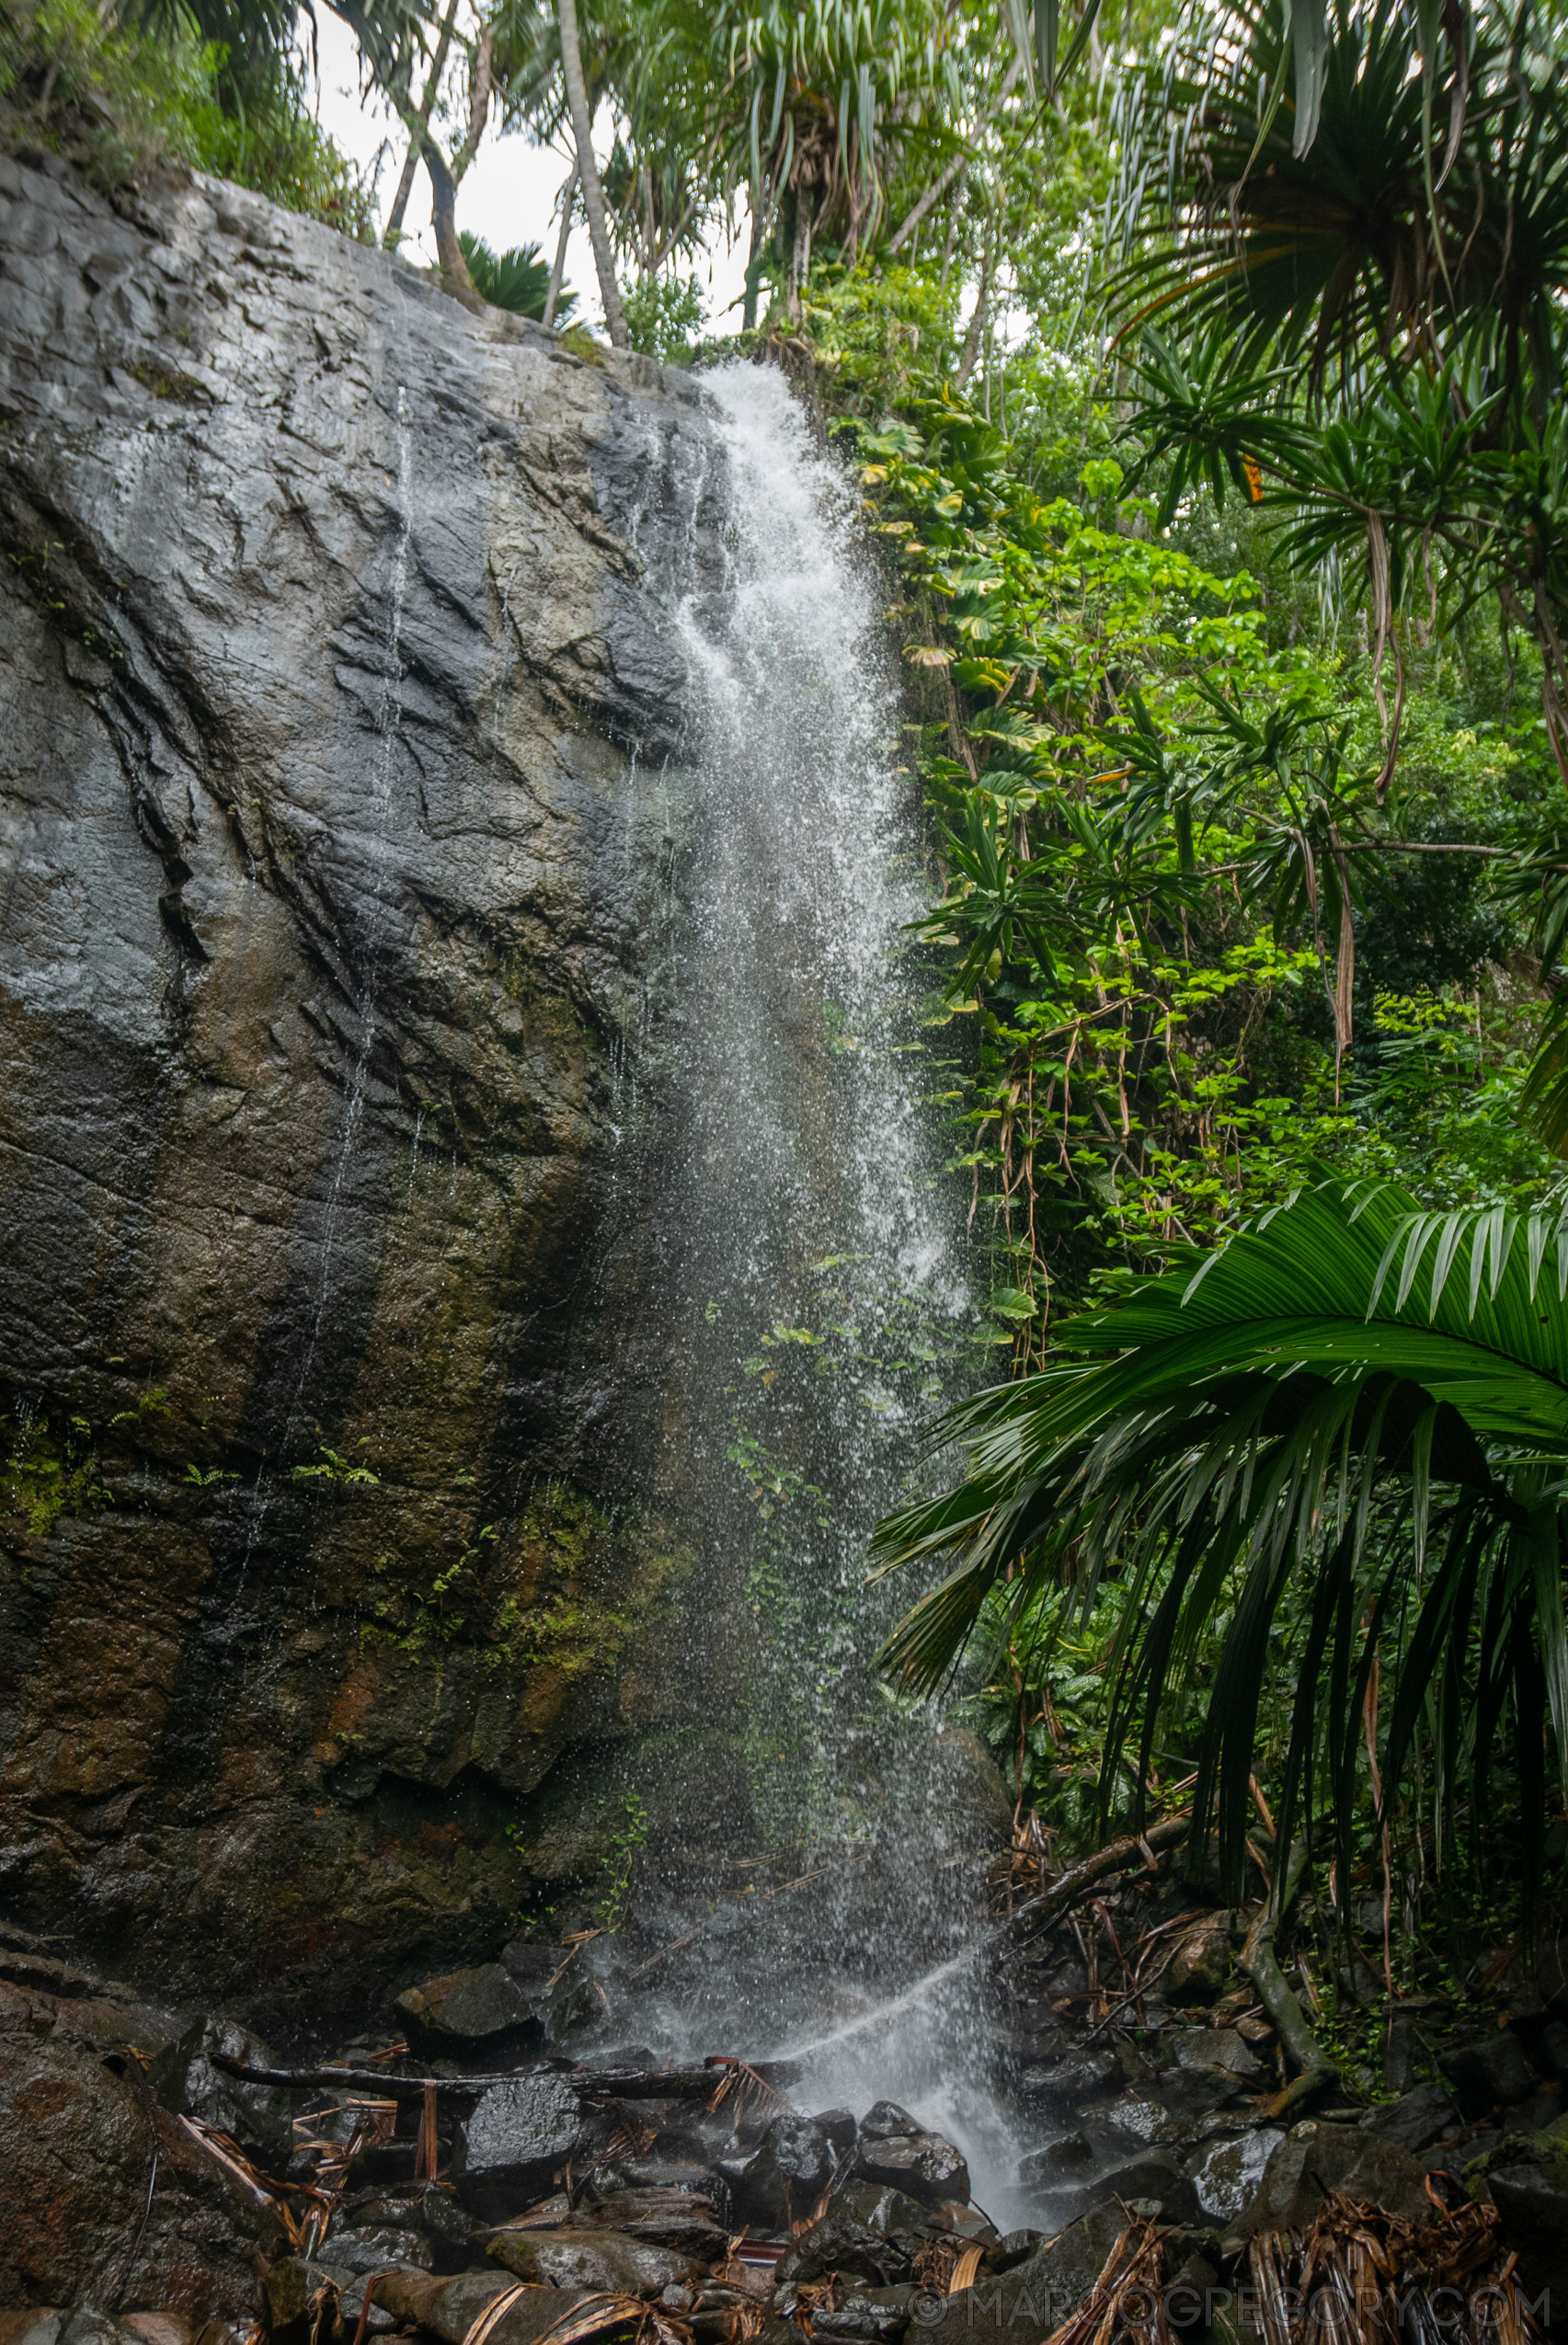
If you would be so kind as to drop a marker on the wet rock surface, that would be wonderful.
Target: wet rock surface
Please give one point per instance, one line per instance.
(340, 802)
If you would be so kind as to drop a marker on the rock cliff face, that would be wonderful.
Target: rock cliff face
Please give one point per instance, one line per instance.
(340, 786)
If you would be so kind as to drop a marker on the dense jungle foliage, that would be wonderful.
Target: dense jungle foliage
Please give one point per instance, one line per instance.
(1200, 367)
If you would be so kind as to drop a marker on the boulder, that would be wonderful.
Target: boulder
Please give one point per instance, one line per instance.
(885, 2122)
(1226, 2173)
(517, 2139)
(1200, 1968)
(1033, 2299)
(878, 2317)
(485, 2008)
(1220, 2049)
(259, 2117)
(782, 2178)
(1416, 2120)
(1084, 2075)
(924, 2165)
(592, 2259)
(374, 2250)
(1154, 2175)
(1313, 2159)
(838, 2243)
(423, 2210)
(77, 2145)
(1490, 2072)
(890, 2213)
(1533, 2203)
(449, 2308)
(1064, 2159)
(839, 2126)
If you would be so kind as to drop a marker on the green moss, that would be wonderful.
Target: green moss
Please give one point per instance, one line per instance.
(49, 1471)
(560, 1585)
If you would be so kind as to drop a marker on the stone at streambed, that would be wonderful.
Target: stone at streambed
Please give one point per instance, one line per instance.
(375, 2250)
(258, 2116)
(420, 2207)
(1200, 1970)
(1490, 2074)
(1226, 2173)
(1084, 2075)
(76, 2150)
(885, 2122)
(881, 2316)
(450, 2307)
(298, 2293)
(1031, 2299)
(484, 2007)
(882, 2208)
(1314, 2159)
(1416, 2120)
(517, 2138)
(680, 2219)
(923, 2164)
(592, 2259)
(784, 2177)
(1153, 2174)
(1532, 2199)
(1064, 2159)
(838, 2243)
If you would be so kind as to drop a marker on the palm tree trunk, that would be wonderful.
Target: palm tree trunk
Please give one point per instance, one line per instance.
(587, 171)
(559, 270)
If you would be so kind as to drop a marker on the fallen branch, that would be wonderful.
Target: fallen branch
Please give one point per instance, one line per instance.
(1042, 1913)
(652, 2084)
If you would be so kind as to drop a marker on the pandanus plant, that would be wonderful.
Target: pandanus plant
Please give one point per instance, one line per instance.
(1338, 1448)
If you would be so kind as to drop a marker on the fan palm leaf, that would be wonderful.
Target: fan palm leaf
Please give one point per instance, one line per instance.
(1345, 1431)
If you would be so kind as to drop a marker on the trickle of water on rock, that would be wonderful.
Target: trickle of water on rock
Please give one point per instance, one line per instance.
(814, 1279)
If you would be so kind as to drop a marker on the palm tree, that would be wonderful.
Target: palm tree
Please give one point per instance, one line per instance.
(587, 172)
(1341, 1440)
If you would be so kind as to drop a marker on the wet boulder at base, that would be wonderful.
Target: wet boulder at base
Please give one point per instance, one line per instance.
(518, 2137)
(485, 2009)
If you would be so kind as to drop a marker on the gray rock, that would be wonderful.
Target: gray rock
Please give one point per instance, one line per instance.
(1314, 2159)
(1085, 2076)
(1201, 2049)
(1226, 2173)
(1033, 2299)
(519, 2136)
(1201, 1967)
(838, 2243)
(374, 2249)
(1490, 2072)
(449, 2308)
(340, 756)
(1534, 2207)
(1154, 2175)
(890, 2213)
(576, 2258)
(481, 2007)
(1416, 2120)
(1064, 2159)
(184, 2079)
(885, 2122)
(924, 2165)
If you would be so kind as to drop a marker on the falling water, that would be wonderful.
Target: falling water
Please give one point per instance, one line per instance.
(815, 1281)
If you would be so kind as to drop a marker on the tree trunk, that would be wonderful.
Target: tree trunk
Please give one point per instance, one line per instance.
(760, 226)
(443, 215)
(587, 171)
(417, 138)
(559, 270)
(977, 324)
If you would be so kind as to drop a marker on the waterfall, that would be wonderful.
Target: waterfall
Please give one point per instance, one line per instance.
(817, 1297)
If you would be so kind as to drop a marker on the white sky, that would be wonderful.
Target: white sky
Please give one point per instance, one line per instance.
(508, 195)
